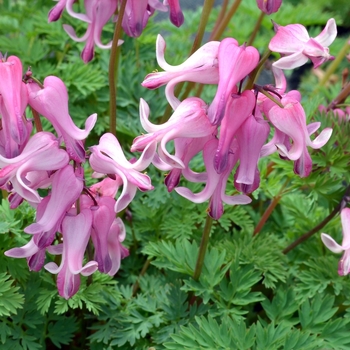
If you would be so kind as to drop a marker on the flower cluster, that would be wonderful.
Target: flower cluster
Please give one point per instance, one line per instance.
(231, 132)
(70, 214)
(98, 13)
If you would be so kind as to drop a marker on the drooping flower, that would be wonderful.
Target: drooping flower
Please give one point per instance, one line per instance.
(216, 184)
(200, 67)
(13, 101)
(235, 63)
(291, 121)
(238, 109)
(251, 137)
(24, 173)
(137, 13)
(52, 103)
(269, 6)
(331, 244)
(76, 234)
(97, 15)
(176, 15)
(108, 158)
(296, 47)
(188, 121)
(66, 189)
(186, 149)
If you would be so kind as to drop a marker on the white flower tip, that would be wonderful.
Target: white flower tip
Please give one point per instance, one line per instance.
(331, 244)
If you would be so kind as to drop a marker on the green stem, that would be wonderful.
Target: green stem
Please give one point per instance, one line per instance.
(256, 72)
(143, 271)
(334, 65)
(203, 248)
(221, 15)
(269, 209)
(323, 223)
(256, 29)
(215, 35)
(207, 7)
(112, 71)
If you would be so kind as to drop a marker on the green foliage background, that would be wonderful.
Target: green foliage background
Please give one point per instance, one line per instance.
(250, 295)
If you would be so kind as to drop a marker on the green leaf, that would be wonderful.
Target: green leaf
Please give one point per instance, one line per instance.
(180, 257)
(10, 298)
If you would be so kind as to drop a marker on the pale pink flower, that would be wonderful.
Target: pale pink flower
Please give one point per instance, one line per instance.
(41, 154)
(108, 158)
(296, 47)
(188, 121)
(331, 244)
(200, 67)
(291, 121)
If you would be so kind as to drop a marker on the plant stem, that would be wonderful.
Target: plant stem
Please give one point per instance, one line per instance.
(37, 121)
(344, 93)
(264, 92)
(112, 71)
(256, 29)
(323, 223)
(203, 248)
(308, 234)
(256, 72)
(334, 65)
(269, 209)
(215, 35)
(221, 15)
(143, 271)
(207, 7)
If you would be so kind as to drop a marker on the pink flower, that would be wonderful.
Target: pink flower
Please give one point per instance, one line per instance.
(13, 101)
(186, 149)
(137, 13)
(251, 136)
(291, 121)
(188, 121)
(176, 15)
(66, 189)
(24, 173)
(98, 12)
(269, 6)
(52, 103)
(200, 67)
(238, 109)
(56, 12)
(76, 234)
(216, 184)
(107, 233)
(331, 244)
(108, 158)
(235, 63)
(296, 47)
